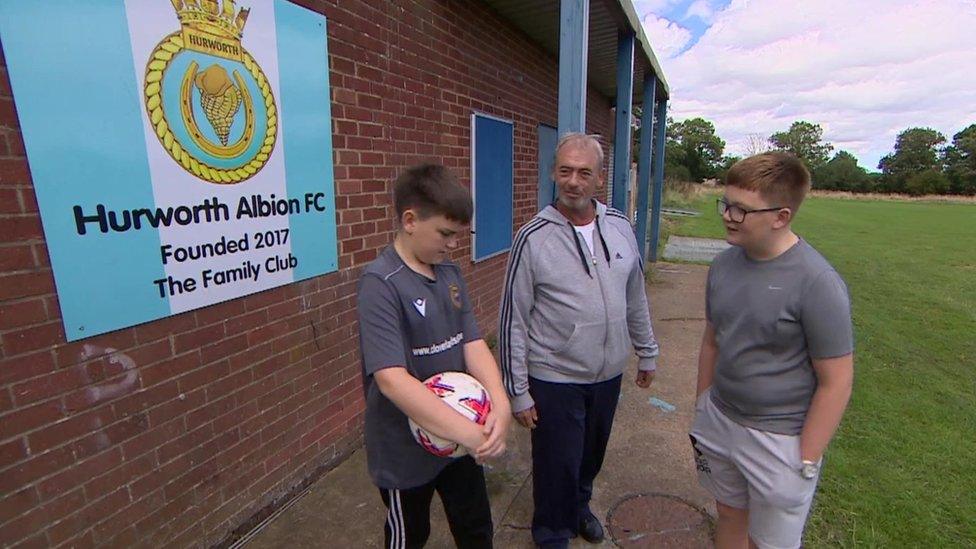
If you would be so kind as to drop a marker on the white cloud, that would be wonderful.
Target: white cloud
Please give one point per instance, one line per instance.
(863, 70)
(668, 37)
(701, 9)
(653, 6)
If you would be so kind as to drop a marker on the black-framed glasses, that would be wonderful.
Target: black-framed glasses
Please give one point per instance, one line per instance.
(738, 214)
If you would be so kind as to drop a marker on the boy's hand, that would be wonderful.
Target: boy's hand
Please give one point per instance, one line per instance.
(496, 431)
(644, 378)
(527, 418)
(474, 439)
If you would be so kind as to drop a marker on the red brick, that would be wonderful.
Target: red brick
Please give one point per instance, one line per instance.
(26, 419)
(18, 228)
(219, 312)
(50, 385)
(10, 201)
(16, 258)
(165, 327)
(264, 299)
(18, 503)
(223, 349)
(84, 518)
(265, 334)
(100, 347)
(8, 114)
(13, 171)
(43, 261)
(243, 323)
(145, 399)
(184, 444)
(201, 377)
(124, 537)
(84, 540)
(33, 338)
(78, 474)
(343, 96)
(186, 537)
(70, 429)
(178, 407)
(198, 338)
(111, 435)
(5, 90)
(169, 369)
(172, 509)
(15, 143)
(152, 439)
(211, 411)
(349, 158)
(191, 478)
(15, 314)
(13, 286)
(34, 468)
(6, 400)
(120, 523)
(120, 476)
(150, 353)
(228, 385)
(374, 213)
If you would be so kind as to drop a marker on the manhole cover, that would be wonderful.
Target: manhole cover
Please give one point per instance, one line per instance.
(659, 520)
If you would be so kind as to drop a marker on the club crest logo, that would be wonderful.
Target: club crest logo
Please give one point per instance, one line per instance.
(455, 295)
(207, 99)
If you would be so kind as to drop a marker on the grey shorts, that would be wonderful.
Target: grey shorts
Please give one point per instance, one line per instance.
(756, 470)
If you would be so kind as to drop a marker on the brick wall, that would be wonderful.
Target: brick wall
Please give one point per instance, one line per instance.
(179, 431)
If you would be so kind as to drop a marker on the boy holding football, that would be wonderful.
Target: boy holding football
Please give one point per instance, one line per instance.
(776, 365)
(415, 321)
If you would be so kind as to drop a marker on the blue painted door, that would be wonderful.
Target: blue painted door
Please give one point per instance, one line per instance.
(493, 170)
(547, 150)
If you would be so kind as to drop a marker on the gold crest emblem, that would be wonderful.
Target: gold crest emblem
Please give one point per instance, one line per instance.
(220, 122)
(455, 295)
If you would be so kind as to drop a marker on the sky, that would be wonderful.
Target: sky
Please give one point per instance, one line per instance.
(865, 70)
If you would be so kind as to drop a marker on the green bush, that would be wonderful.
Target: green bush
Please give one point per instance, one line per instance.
(927, 182)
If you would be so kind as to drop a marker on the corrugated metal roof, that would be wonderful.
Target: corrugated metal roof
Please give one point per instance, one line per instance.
(539, 19)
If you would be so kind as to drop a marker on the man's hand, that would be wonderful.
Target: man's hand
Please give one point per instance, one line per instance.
(644, 378)
(496, 431)
(527, 418)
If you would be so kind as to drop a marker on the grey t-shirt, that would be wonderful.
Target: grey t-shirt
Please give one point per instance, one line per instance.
(771, 318)
(408, 320)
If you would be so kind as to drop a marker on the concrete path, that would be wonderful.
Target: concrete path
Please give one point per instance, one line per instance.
(684, 248)
(648, 453)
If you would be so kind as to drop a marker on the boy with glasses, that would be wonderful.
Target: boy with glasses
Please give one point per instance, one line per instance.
(776, 366)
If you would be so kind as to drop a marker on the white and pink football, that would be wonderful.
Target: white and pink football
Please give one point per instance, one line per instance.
(461, 392)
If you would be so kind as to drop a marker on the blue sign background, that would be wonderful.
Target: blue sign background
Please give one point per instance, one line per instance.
(78, 101)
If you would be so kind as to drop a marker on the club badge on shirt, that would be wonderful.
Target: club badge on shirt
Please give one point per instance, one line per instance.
(455, 295)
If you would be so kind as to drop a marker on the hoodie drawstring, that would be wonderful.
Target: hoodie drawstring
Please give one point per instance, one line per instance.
(579, 250)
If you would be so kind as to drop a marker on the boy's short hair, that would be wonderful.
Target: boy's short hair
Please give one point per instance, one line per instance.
(431, 189)
(780, 178)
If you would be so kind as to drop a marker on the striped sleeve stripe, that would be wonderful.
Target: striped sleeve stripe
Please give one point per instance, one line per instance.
(504, 332)
(617, 213)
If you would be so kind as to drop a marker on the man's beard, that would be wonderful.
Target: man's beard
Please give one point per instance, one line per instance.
(579, 204)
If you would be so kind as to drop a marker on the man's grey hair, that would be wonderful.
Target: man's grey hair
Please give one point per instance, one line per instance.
(581, 140)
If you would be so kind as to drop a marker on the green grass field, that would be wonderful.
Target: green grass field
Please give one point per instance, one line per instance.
(902, 470)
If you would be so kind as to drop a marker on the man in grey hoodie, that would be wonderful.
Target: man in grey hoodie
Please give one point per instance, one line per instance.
(573, 306)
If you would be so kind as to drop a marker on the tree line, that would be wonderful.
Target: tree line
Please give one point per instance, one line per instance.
(923, 160)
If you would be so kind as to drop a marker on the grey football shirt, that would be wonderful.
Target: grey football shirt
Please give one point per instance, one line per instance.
(771, 318)
(408, 320)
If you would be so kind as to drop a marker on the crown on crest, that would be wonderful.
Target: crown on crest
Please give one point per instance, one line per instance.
(212, 17)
